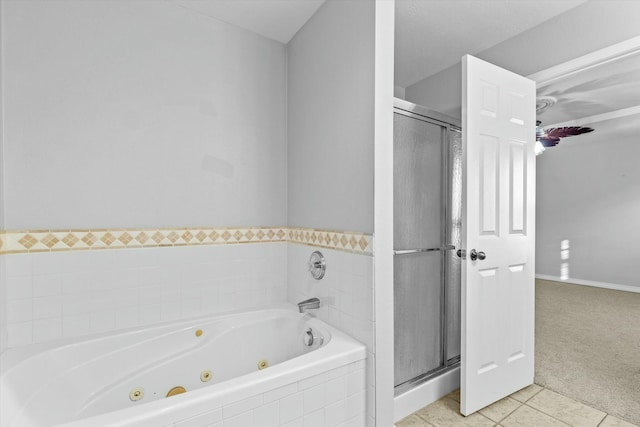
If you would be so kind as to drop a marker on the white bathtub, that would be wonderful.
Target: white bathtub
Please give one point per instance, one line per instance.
(93, 382)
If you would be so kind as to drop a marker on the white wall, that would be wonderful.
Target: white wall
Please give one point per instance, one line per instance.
(139, 114)
(136, 114)
(588, 193)
(591, 26)
(441, 92)
(330, 119)
(330, 129)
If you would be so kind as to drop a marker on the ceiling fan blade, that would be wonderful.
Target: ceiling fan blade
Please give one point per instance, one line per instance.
(564, 132)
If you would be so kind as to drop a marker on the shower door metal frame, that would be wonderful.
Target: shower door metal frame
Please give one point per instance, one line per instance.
(448, 125)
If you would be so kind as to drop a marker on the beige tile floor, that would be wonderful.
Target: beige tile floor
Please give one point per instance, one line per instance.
(533, 406)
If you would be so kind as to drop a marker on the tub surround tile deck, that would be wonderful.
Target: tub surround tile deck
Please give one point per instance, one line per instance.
(531, 406)
(308, 402)
(73, 290)
(59, 287)
(66, 294)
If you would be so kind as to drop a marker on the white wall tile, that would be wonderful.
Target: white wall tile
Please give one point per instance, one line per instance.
(129, 287)
(47, 263)
(244, 405)
(313, 381)
(356, 404)
(75, 325)
(335, 390)
(355, 382)
(150, 313)
(102, 320)
(280, 392)
(357, 421)
(290, 408)
(127, 317)
(20, 310)
(75, 303)
(315, 419)
(19, 287)
(336, 413)
(346, 295)
(50, 284)
(243, 420)
(47, 329)
(314, 398)
(46, 307)
(19, 334)
(19, 265)
(267, 415)
(74, 282)
(206, 419)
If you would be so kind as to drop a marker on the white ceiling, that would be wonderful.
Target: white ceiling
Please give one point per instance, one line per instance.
(278, 20)
(613, 86)
(432, 35)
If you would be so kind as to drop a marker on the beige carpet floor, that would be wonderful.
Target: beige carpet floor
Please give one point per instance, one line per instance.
(588, 346)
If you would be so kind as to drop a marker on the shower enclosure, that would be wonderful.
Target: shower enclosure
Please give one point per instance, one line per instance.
(427, 219)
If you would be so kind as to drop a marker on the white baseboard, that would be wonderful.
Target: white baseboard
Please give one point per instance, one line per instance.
(420, 396)
(573, 281)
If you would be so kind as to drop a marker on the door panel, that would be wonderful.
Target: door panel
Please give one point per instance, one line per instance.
(498, 220)
(417, 187)
(417, 320)
(418, 224)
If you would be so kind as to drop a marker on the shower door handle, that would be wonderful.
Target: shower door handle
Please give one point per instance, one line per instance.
(415, 251)
(477, 255)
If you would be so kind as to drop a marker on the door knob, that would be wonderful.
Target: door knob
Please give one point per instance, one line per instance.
(476, 255)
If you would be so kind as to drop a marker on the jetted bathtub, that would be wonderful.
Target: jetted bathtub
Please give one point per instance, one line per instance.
(195, 372)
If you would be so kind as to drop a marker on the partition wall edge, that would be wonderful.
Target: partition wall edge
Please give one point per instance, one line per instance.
(3, 287)
(383, 210)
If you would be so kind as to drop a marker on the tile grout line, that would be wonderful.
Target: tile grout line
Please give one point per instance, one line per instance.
(520, 405)
(605, 417)
(587, 404)
(557, 419)
(549, 415)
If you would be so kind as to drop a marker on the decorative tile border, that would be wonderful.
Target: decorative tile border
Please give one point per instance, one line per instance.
(66, 240)
(340, 240)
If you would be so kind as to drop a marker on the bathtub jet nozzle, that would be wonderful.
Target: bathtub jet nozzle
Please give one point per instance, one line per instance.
(308, 304)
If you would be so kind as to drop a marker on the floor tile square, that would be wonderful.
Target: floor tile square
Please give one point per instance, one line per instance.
(499, 410)
(446, 413)
(413, 421)
(526, 393)
(611, 421)
(565, 409)
(529, 417)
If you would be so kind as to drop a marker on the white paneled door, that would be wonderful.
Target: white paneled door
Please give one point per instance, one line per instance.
(498, 122)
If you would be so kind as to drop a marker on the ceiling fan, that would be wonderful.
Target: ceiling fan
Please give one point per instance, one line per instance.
(550, 137)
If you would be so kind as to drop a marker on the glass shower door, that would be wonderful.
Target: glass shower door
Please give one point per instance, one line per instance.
(419, 233)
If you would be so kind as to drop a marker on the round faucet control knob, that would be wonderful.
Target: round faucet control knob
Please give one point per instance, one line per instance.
(317, 265)
(307, 337)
